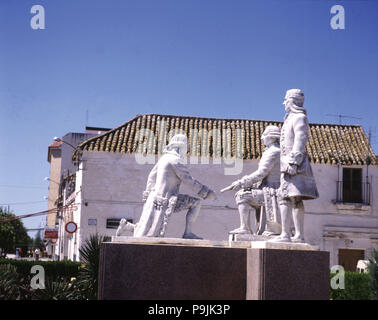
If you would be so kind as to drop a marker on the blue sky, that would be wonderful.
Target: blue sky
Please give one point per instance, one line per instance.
(211, 58)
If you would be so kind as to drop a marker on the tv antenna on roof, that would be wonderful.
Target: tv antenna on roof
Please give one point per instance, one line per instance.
(341, 116)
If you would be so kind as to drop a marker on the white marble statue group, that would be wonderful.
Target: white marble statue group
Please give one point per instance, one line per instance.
(276, 189)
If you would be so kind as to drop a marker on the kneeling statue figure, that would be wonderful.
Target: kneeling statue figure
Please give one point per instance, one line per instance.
(162, 197)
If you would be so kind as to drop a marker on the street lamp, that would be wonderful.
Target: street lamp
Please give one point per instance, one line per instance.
(60, 140)
(57, 139)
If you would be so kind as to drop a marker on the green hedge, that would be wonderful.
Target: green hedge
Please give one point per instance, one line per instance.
(357, 287)
(53, 269)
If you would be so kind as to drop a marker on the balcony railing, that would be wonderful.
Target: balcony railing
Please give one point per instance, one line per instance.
(353, 192)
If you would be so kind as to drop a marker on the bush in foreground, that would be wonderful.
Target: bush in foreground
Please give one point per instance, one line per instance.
(357, 287)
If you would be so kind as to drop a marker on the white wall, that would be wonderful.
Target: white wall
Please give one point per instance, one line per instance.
(113, 185)
(110, 185)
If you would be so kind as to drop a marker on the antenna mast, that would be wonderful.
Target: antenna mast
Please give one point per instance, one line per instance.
(341, 116)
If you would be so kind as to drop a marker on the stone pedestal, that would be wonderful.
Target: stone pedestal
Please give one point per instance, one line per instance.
(181, 269)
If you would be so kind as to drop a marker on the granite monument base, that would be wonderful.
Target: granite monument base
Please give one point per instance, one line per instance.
(182, 269)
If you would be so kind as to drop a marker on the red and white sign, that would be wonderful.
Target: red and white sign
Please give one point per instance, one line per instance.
(51, 234)
(71, 227)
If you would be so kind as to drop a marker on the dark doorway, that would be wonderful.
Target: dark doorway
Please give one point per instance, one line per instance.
(348, 258)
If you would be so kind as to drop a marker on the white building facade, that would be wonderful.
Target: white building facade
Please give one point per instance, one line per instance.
(62, 169)
(113, 170)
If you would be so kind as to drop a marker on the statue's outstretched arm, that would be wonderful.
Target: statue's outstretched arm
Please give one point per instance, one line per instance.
(266, 165)
(183, 173)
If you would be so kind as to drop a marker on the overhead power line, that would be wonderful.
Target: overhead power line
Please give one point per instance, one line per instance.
(20, 203)
(41, 213)
(21, 187)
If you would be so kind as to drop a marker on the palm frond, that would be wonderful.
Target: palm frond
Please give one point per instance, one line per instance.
(90, 256)
(8, 282)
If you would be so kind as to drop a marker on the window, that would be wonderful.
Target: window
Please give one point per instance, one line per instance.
(352, 189)
(113, 223)
(352, 185)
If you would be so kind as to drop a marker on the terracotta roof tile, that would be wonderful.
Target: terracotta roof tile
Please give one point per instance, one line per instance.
(55, 144)
(328, 143)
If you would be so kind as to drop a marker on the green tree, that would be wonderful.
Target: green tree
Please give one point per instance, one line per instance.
(13, 234)
(38, 242)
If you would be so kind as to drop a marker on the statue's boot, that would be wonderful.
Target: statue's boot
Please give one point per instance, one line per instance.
(240, 230)
(285, 234)
(125, 226)
(298, 217)
(281, 238)
(298, 239)
(191, 235)
(269, 234)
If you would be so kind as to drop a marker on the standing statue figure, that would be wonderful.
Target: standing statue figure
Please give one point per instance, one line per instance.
(297, 180)
(162, 196)
(260, 188)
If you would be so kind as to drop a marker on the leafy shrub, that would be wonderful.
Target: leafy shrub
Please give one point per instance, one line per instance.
(54, 290)
(8, 282)
(15, 280)
(87, 282)
(357, 287)
(53, 269)
(65, 280)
